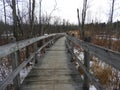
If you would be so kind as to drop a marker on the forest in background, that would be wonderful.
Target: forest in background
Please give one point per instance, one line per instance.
(25, 19)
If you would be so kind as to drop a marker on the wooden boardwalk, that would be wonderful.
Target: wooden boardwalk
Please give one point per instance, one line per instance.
(54, 71)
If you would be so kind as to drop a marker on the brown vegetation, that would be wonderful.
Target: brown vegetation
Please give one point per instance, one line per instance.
(106, 75)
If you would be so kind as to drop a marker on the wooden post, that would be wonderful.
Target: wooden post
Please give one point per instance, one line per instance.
(86, 54)
(87, 65)
(15, 62)
(43, 42)
(27, 52)
(15, 56)
(16, 81)
(35, 49)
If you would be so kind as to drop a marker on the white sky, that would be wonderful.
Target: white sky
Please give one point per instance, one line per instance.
(98, 10)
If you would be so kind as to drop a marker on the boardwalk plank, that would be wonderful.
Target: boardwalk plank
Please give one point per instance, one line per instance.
(54, 71)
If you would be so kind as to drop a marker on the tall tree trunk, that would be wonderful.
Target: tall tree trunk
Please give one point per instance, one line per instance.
(112, 11)
(14, 19)
(31, 16)
(40, 25)
(110, 22)
(30, 21)
(33, 9)
(19, 21)
(5, 18)
(83, 18)
(79, 22)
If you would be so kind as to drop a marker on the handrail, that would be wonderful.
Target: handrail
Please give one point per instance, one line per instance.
(12, 47)
(110, 57)
(91, 77)
(16, 47)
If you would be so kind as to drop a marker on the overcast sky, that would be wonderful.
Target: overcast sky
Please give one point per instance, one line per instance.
(98, 10)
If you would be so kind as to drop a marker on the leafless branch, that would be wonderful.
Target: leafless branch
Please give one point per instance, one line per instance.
(55, 8)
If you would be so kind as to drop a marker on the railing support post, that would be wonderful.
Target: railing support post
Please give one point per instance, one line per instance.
(43, 42)
(87, 65)
(35, 49)
(15, 59)
(27, 51)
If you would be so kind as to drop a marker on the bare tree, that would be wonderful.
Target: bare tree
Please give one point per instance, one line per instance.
(54, 8)
(86, 54)
(31, 15)
(5, 17)
(40, 25)
(4, 10)
(49, 17)
(13, 6)
(110, 20)
(83, 18)
(17, 19)
(78, 16)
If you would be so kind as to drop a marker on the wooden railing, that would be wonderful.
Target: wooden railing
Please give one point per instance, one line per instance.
(12, 49)
(108, 56)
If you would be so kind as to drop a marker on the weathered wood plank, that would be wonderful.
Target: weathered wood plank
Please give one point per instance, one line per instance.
(54, 71)
(4, 83)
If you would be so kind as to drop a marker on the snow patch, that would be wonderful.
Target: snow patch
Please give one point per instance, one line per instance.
(92, 87)
(24, 72)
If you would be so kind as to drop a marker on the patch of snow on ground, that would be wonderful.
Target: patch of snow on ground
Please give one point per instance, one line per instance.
(79, 54)
(92, 87)
(24, 72)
